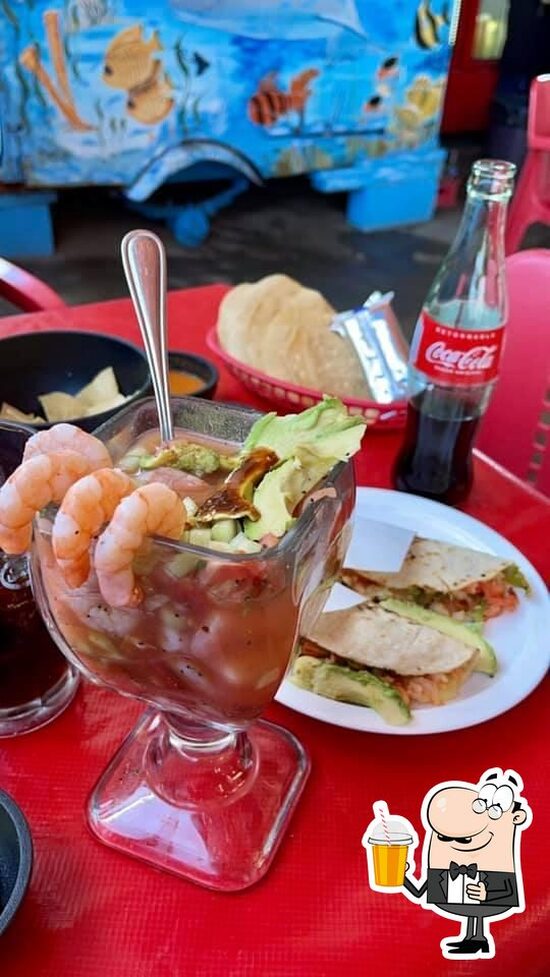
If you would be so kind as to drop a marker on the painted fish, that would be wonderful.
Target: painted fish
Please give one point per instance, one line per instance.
(129, 59)
(373, 105)
(152, 102)
(388, 69)
(271, 103)
(386, 77)
(428, 24)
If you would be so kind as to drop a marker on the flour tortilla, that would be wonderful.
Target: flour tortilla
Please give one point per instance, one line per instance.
(431, 565)
(373, 636)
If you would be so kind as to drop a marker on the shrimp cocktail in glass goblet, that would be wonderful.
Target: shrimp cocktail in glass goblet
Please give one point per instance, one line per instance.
(180, 574)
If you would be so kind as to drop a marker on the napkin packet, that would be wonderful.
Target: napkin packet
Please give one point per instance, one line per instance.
(375, 334)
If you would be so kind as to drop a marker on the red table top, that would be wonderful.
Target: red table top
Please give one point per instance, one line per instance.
(91, 912)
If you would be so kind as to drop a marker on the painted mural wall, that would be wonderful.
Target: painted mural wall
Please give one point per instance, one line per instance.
(125, 92)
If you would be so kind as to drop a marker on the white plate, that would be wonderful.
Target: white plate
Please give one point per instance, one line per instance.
(521, 640)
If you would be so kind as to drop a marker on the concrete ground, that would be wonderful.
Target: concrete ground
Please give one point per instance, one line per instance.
(285, 227)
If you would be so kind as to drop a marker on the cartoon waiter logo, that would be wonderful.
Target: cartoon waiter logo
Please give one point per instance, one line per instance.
(471, 868)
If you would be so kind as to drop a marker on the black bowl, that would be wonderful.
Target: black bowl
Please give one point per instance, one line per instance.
(199, 367)
(15, 858)
(35, 363)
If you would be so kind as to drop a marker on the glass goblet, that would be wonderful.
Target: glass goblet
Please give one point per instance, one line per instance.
(201, 787)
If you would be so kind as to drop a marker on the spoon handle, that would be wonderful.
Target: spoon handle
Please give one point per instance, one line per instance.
(144, 263)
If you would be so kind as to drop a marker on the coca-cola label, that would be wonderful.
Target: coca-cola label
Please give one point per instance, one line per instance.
(460, 356)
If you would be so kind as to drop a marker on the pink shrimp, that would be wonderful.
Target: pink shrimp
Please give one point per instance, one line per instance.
(34, 484)
(183, 483)
(152, 509)
(66, 437)
(87, 506)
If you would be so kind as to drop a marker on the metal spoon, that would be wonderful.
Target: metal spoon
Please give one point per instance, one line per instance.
(144, 263)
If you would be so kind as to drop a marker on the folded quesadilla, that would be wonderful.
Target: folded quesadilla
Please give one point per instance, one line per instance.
(390, 655)
(449, 579)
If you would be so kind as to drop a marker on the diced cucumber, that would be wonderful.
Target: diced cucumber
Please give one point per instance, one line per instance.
(198, 537)
(131, 462)
(182, 564)
(171, 618)
(190, 506)
(224, 530)
(242, 544)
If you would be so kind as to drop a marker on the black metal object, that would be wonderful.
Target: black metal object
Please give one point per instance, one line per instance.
(15, 858)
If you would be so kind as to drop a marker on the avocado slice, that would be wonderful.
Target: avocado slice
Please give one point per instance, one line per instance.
(326, 427)
(280, 491)
(308, 446)
(360, 688)
(486, 660)
(303, 671)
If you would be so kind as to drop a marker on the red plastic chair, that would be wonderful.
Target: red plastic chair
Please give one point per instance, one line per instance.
(26, 292)
(531, 202)
(516, 428)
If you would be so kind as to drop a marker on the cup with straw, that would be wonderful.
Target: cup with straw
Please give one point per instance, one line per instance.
(386, 842)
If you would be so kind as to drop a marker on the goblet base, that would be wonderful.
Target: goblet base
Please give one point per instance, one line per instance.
(215, 815)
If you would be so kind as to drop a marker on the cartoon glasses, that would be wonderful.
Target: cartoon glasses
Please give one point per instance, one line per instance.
(494, 799)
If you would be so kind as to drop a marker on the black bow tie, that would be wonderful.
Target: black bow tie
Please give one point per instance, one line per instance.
(455, 870)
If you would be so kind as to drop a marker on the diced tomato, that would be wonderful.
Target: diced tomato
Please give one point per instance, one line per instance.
(497, 594)
(309, 647)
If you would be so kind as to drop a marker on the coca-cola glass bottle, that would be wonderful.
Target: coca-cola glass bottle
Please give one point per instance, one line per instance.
(457, 343)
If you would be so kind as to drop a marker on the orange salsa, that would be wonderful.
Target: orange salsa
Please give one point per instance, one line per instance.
(182, 383)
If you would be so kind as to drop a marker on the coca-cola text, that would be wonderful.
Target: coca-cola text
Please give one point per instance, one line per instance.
(457, 355)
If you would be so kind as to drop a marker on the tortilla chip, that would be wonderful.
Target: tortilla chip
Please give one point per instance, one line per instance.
(101, 394)
(59, 406)
(10, 413)
(103, 405)
(283, 329)
(101, 390)
(245, 311)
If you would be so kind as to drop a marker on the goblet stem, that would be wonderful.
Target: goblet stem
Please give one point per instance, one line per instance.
(189, 766)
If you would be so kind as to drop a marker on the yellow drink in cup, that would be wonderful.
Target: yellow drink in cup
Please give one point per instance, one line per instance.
(389, 847)
(389, 863)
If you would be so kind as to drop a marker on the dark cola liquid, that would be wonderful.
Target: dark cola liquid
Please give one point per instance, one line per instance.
(30, 663)
(436, 458)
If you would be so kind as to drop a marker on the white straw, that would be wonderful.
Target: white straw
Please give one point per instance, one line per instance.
(382, 814)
